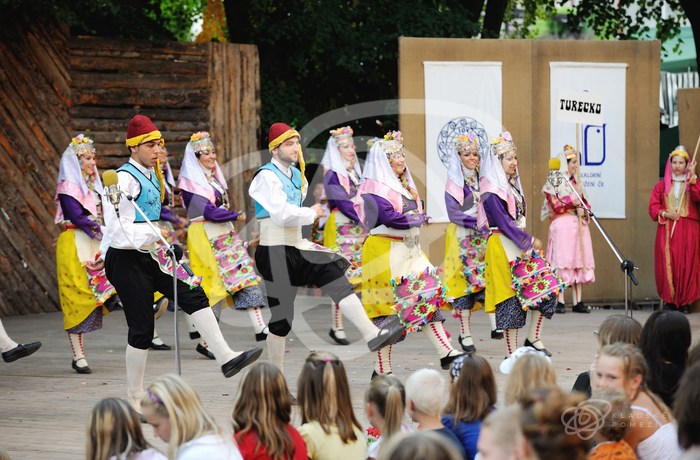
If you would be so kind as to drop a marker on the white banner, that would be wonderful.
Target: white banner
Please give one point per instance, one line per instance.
(602, 143)
(579, 107)
(459, 97)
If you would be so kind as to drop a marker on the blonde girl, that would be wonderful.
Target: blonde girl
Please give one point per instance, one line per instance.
(385, 405)
(261, 417)
(329, 425)
(530, 372)
(174, 410)
(114, 432)
(652, 433)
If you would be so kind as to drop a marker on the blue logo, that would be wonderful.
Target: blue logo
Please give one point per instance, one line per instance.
(455, 128)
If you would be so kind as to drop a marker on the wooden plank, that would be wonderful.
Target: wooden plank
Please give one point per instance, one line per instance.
(117, 113)
(86, 80)
(119, 97)
(152, 50)
(103, 124)
(84, 62)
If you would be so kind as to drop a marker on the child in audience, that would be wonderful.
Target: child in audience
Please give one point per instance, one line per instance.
(426, 396)
(329, 425)
(174, 410)
(472, 398)
(424, 445)
(531, 371)
(114, 433)
(501, 437)
(612, 417)
(261, 417)
(385, 405)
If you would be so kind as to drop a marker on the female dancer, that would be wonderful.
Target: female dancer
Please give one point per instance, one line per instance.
(518, 278)
(396, 274)
(217, 254)
(674, 205)
(464, 242)
(341, 177)
(569, 246)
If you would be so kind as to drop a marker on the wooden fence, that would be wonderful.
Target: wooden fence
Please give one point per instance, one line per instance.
(53, 86)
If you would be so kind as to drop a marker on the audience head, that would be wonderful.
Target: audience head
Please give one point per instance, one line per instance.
(424, 445)
(263, 406)
(473, 389)
(426, 393)
(386, 401)
(114, 431)
(687, 408)
(619, 328)
(621, 366)
(544, 419)
(665, 338)
(324, 395)
(173, 408)
(693, 355)
(501, 437)
(531, 371)
(612, 413)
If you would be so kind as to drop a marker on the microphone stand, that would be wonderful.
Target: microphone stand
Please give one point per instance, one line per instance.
(626, 265)
(173, 256)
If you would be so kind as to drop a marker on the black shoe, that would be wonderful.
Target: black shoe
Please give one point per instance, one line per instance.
(375, 375)
(20, 351)
(469, 349)
(160, 307)
(337, 339)
(260, 336)
(684, 309)
(497, 334)
(194, 335)
(531, 345)
(580, 308)
(451, 356)
(204, 351)
(237, 364)
(561, 308)
(386, 336)
(82, 369)
(162, 346)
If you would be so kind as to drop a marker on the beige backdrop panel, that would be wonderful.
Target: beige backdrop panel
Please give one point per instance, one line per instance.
(526, 116)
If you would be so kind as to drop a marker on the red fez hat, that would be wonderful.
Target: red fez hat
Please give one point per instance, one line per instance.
(276, 130)
(141, 129)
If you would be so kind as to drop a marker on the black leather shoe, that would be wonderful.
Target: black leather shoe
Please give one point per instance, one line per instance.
(451, 356)
(82, 369)
(162, 346)
(580, 308)
(469, 349)
(260, 336)
(386, 336)
(497, 334)
(375, 375)
(204, 351)
(194, 335)
(561, 308)
(160, 307)
(237, 364)
(531, 345)
(20, 351)
(337, 339)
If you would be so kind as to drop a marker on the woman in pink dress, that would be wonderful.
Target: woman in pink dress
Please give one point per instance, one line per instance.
(569, 247)
(674, 205)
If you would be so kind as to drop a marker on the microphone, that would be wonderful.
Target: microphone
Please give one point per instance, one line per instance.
(110, 180)
(554, 177)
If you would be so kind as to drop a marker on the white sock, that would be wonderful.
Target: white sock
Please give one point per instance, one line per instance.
(576, 293)
(206, 324)
(156, 340)
(382, 365)
(6, 343)
(337, 324)
(276, 346)
(351, 307)
(438, 337)
(135, 372)
(535, 326)
(492, 319)
(257, 320)
(511, 340)
(76, 346)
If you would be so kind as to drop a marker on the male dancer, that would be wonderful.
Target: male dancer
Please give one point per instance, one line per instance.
(285, 260)
(132, 267)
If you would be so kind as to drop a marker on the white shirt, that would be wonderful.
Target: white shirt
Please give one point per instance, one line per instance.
(209, 447)
(128, 235)
(266, 189)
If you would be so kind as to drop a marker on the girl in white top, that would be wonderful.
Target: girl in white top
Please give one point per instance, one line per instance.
(176, 413)
(652, 434)
(114, 433)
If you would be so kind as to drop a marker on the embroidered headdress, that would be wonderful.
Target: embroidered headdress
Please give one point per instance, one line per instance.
(332, 160)
(392, 143)
(502, 144)
(201, 141)
(468, 142)
(81, 144)
(341, 134)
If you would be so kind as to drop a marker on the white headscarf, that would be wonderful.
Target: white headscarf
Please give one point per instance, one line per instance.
(494, 180)
(193, 179)
(72, 182)
(332, 161)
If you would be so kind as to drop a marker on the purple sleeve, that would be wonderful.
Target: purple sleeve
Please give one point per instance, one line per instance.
(78, 216)
(338, 197)
(168, 214)
(199, 206)
(380, 212)
(498, 216)
(455, 213)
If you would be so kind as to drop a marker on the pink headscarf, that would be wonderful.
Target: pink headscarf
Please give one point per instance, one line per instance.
(71, 182)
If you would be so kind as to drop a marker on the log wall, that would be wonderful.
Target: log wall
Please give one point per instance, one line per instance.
(53, 86)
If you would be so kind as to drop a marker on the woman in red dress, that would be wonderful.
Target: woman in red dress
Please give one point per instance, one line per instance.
(674, 205)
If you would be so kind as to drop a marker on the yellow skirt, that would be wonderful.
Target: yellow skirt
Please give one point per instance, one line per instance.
(77, 299)
(203, 264)
(453, 277)
(498, 274)
(329, 231)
